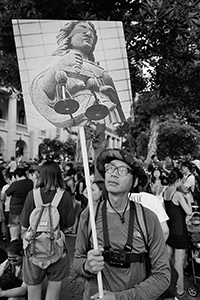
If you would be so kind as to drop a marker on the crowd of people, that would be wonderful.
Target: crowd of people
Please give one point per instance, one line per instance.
(136, 256)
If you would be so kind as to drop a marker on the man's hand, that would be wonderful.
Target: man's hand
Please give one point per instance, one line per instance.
(106, 296)
(1, 292)
(94, 262)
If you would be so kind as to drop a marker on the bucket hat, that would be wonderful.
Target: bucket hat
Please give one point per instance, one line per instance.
(107, 155)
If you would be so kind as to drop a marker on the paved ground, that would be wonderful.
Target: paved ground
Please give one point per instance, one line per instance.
(73, 286)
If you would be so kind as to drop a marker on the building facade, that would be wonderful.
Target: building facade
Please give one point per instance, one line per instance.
(17, 139)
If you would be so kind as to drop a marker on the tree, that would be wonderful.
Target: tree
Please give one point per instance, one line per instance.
(162, 36)
(176, 139)
(55, 149)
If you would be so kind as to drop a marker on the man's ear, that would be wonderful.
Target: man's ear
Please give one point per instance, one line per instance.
(136, 182)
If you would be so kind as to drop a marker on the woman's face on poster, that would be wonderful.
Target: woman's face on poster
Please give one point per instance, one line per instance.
(82, 37)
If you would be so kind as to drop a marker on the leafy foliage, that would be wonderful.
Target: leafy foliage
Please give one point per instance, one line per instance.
(163, 47)
(54, 149)
(176, 139)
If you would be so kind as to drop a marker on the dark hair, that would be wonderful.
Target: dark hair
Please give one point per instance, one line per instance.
(187, 164)
(15, 247)
(101, 186)
(50, 176)
(174, 175)
(19, 172)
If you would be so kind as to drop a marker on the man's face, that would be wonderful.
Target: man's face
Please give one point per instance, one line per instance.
(184, 170)
(15, 259)
(82, 37)
(116, 183)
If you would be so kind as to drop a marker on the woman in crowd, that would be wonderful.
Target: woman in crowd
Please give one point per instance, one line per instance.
(157, 182)
(177, 208)
(49, 182)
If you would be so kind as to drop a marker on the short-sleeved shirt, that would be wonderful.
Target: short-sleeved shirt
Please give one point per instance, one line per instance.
(153, 203)
(18, 191)
(65, 208)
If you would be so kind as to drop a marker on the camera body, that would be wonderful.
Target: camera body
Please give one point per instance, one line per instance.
(117, 258)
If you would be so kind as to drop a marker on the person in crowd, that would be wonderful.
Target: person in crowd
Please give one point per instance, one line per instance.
(152, 202)
(154, 163)
(12, 286)
(12, 165)
(126, 278)
(6, 202)
(168, 165)
(49, 181)
(18, 191)
(79, 188)
(188, 180)
(157, 182)
(2, 217)
(98, 191)
(69, 173)
(177, 208)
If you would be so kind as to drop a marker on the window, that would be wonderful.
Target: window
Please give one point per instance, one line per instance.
(1, 114)
(21, 117)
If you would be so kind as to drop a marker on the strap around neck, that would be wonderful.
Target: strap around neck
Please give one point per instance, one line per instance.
(128, 245)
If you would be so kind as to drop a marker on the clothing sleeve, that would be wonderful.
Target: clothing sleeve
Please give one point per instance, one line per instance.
(190, 182)
(159, 280)
(11, 189)
(27, 209)
(67, 213)
(82, 245)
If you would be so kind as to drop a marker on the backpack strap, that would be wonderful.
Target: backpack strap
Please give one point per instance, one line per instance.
(57, 198)
(37, 197)
(142, 223)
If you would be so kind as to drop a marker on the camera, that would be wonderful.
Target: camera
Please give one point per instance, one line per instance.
(117, 258)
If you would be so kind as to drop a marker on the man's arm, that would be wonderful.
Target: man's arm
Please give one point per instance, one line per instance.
(16, 292)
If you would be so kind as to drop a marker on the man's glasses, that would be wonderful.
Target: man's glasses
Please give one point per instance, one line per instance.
(121, 170)
(13, 259)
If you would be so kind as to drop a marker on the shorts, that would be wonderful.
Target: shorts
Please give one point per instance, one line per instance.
(34, 275)
(13, 220)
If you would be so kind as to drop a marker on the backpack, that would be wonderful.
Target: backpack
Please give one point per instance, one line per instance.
(44, 242)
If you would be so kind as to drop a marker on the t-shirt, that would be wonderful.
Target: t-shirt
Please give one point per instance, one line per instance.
(188, 181)
(151, 202)
(65, 208)
(12, 165)
(7, 201)
(18, 191)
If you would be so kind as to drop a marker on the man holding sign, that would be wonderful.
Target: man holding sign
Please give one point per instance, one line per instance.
(133, 263)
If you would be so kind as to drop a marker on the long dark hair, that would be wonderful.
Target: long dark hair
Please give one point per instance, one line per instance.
(50, 176)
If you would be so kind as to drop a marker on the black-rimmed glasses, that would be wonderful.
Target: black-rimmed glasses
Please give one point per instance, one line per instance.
(121, 170)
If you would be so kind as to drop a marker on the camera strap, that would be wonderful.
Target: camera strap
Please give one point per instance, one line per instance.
(128, 245)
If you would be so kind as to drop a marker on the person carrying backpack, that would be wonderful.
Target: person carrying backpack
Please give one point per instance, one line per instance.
(48, 210)
(134, 265)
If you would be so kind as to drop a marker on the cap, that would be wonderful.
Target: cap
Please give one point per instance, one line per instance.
(107, 155)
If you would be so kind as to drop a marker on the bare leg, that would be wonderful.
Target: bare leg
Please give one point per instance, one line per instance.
(178, 264)
(53, 290)
(35, 292)
(15, 232)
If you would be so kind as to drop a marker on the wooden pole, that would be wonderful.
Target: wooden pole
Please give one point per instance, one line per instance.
(90, 201)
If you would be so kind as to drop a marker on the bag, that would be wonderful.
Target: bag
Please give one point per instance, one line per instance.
(44, 242)
(8, 280)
